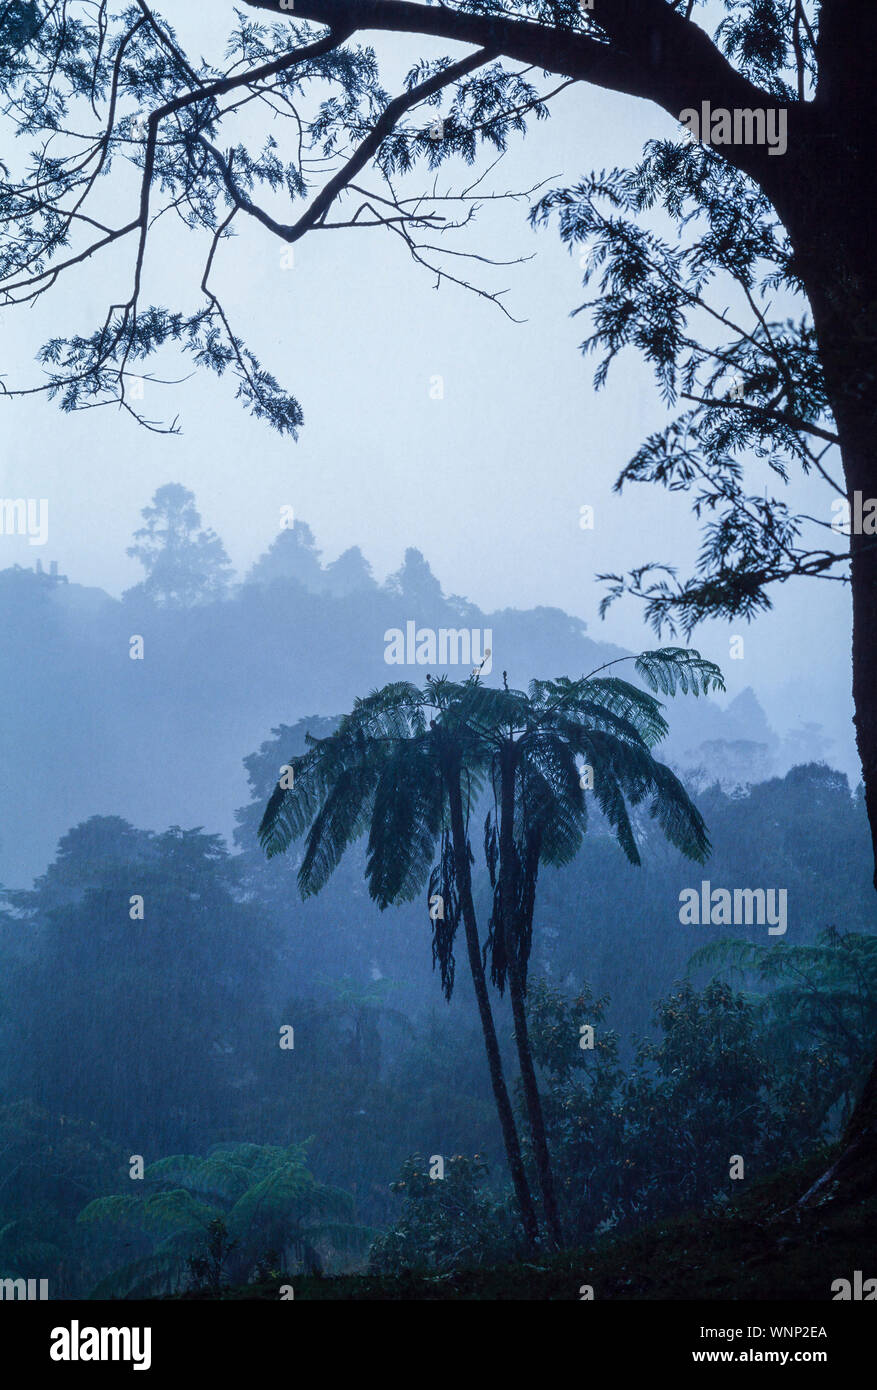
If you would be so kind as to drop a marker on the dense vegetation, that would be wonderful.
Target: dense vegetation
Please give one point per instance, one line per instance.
(208, 1081)
(161, 1038)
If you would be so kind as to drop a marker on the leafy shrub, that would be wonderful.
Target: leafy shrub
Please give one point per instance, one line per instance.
(448, 1223)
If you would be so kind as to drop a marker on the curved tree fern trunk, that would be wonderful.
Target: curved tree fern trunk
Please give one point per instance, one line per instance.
(509, 906)
(494, 1060)
(534, 1106)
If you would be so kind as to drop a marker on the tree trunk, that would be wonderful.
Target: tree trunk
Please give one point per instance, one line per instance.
(508, 902)
(494, 1060)
(860, 1135)
(834, 251)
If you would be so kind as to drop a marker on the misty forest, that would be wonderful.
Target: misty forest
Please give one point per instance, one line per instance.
(439, 755)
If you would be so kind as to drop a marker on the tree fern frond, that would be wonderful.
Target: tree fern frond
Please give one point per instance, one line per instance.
(342, 818)
(405, 823)
(634, 705)
(677, 815)
(144, 1278)
(684, 667)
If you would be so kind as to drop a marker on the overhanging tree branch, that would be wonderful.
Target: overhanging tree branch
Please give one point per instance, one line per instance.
(358, 160)
(640, 48)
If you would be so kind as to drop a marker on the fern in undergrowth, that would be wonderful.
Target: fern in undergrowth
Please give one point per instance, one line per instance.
(263, 1197)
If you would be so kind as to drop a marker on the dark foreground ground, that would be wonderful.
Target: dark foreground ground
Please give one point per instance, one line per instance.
(759, 1248)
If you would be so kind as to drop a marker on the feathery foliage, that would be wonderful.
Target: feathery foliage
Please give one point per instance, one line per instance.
(387, 770)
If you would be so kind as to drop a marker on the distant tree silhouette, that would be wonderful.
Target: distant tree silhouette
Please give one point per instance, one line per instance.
(183, 977)
(184, 563)
(350, 573)
(415, 582)
(293, 554)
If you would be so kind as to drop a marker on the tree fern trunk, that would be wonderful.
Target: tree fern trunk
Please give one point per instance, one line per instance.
(508, 900)
(534, 1107)
(494, 1060)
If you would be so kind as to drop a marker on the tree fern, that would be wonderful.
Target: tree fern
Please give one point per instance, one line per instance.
(265, 1195)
